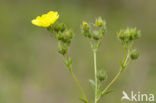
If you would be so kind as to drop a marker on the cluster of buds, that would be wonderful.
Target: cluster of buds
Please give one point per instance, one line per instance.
(87, 29)
(94, 32)
(63, 36)
(128, 35)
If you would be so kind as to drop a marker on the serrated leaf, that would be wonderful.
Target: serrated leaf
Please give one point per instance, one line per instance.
(83, 100)
(92, 82)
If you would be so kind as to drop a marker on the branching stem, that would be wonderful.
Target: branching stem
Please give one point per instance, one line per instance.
(127, 54)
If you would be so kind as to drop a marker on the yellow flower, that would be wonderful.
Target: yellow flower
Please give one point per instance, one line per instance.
(46, 19)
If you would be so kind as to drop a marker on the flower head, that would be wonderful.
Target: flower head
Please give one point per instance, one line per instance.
(46, 19)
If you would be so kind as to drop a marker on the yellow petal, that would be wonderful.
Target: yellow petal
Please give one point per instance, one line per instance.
(46, 19)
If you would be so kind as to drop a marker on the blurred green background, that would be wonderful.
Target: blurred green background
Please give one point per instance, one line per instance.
(31, 70)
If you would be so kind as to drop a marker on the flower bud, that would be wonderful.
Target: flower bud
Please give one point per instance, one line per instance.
(97, 35)
(62, 48)
(62, 27)
(138, 35)
(50, 28)
(131, 32)
(102, 30)
(59, 36)
(134, 54)
(121, 35)
(66, 41)
(59, 27)
(101, 75)
(87, 34)
(68, 34)
(99, 22)
(85, 26)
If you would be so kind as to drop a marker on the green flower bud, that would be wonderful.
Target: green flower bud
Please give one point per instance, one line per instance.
(62, 27)
(59, 27)
(138, 35)
(99, 22)
(85, 27)
(59, 36)
(131, 33)
(97, 35)
(68, 34)
(56, 27)
(134, 54)
(50, 28)
(101, 75)
(62, 50)
(66, 41)
(62, 47)
(102, 30)
(121, 35)
(65, 36)
(87, 34)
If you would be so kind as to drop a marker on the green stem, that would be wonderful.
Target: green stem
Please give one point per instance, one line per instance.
(75, 79)
(125, 53)
(95, 71)
(116, 77)
(109, 85)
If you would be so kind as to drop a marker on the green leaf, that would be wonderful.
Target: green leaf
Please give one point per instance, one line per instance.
(83, 100)
(92, 82)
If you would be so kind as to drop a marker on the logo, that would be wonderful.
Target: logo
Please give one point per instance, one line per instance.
(137, 97)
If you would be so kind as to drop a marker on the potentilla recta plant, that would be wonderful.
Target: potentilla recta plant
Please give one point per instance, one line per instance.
(94, 32)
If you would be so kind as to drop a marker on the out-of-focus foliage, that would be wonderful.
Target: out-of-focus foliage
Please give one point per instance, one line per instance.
(31, 70)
